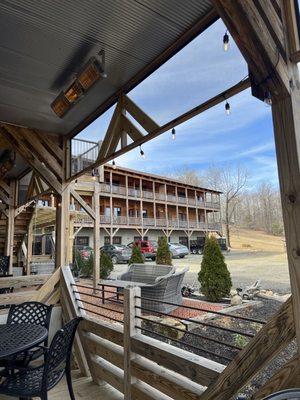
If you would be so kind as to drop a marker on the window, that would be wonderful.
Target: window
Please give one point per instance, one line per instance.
(138, 238)
(81, 241)
(183, 240)
(106, 240)
(37, 245)
(117, 211)
(117, 240)
(145, 213)
(48, 244)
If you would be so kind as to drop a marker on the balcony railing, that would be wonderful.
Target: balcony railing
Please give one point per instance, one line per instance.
(84, 219)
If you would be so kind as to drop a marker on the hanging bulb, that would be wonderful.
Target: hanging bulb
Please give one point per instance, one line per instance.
(226, 43)
(142, 153)
(75, 183)
(93, 175)
(173, 134)
(114, 164)
(268, 98)
(227, 108)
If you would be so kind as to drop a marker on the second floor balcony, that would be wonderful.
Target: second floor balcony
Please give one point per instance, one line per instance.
(158, 196)
(85, 220)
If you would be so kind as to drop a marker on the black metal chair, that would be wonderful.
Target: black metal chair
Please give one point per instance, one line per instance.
(4, 265)
(34, 313)
(36, 382)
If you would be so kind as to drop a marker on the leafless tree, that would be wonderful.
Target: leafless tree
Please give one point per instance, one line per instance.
(189, 175)
(230, 180)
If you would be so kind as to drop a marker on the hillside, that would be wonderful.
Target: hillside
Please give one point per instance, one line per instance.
(246, 239)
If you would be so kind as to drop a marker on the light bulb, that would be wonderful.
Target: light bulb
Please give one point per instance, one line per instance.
(173, 134)
(226, 43)
(227, 108)
(268, 98)
(93, 175)
(114, 164)
(142, 153)
(75, 183)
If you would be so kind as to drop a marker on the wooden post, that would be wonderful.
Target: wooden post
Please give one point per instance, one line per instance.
(9, 245)
(131, 322)
(62, 227)
(29, 247)
(96, 269)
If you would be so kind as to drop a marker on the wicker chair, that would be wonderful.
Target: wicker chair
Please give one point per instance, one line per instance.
(34, 313)
(4, 265)
(289, 394)
(146, 273)
(37, 381)
(165, 289)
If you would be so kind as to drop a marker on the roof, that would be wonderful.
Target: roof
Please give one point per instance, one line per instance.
(43, 44)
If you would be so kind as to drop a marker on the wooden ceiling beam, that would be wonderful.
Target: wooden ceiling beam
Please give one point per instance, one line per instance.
(39, 162)
(103, 156)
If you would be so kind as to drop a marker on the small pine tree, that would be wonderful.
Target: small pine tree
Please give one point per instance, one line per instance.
(136, 256)
(214, 276)
(163, 255)
(88, 266)
(106, 265)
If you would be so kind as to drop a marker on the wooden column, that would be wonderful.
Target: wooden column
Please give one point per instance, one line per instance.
(130, 329)
(9, 245)
(96, 270)
(29, 248)
(62, 227)
(286, 119)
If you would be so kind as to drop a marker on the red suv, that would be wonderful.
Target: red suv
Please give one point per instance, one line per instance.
(148, 248)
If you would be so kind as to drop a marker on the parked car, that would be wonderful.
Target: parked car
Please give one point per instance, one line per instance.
(117, 252)
(197, 246)
(85, 252)
(148, 248)
(178, 250)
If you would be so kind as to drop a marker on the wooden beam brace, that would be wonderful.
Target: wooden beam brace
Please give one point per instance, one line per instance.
(83, 204)
(269, 341)
(139, 115)
(12, 134)
(239, 87)
(131, 129)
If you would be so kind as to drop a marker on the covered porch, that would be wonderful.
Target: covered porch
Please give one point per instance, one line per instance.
(58, 78)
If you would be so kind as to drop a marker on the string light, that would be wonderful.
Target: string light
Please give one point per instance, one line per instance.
(75, 183)
(226, 43)
(93, 175)
(114, 164)
(227, 108)
(173, 134)
(142, 152)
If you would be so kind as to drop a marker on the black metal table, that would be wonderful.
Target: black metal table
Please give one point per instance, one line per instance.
(16, 338)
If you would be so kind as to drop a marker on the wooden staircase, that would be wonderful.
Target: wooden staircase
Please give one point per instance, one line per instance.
(21, 224)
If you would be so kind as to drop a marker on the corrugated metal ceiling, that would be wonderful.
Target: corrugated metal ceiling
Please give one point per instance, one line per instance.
(43, 44)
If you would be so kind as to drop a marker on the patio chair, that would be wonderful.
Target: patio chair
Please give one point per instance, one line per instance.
(31, 312)
(37, 381)
(4, 265)
(146, 273)
(165, 289)
(288, 394)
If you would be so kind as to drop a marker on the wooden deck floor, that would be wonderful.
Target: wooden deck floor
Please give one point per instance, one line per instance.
(84, 388)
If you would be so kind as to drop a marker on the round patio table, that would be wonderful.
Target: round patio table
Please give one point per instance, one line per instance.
(16, 338)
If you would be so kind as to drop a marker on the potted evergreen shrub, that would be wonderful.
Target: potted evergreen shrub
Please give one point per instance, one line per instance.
(214, 276)
(163, 255)
(136, 256)
(106, 265)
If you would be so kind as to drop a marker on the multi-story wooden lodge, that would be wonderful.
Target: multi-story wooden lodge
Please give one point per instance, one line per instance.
(133, 205)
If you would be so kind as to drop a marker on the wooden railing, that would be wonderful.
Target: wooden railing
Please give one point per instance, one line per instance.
(143, 367)
(44, 288)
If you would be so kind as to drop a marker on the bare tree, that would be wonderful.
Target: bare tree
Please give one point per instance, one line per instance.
(230, 180)
(188, 175)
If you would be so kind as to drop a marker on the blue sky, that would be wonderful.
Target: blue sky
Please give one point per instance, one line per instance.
(199, 71)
